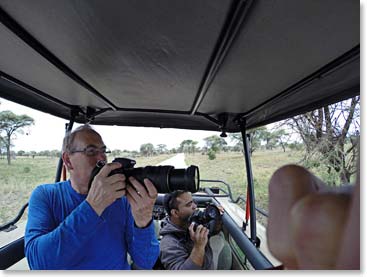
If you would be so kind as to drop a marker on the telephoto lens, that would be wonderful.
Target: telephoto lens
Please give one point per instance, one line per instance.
(165, 178)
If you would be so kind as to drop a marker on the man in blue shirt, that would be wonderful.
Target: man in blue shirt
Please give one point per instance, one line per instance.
(72, 227)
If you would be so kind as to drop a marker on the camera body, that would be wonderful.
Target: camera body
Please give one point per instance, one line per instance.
(164, 178)
(210, 218)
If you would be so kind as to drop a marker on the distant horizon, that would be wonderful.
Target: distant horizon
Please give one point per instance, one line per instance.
(35, 137)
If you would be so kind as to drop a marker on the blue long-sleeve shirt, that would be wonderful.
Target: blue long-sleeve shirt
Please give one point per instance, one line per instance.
(64, 232)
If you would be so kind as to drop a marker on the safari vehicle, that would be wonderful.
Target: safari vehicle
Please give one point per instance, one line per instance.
(223, 65)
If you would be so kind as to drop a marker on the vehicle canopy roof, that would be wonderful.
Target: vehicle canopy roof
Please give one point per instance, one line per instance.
(190, 64)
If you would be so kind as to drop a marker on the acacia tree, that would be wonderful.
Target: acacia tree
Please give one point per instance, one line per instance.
(333, 132)
(214, 144)
(257, 135)
(10, 124)
(147, 149)
(188, 146)
(280, 137)
(116, 153)
(162, 148)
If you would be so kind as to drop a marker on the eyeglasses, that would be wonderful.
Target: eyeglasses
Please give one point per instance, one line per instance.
(92, 151)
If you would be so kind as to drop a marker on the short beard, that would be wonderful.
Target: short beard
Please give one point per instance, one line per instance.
(185, 221)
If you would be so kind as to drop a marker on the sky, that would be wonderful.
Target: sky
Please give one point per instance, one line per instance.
(48, 131)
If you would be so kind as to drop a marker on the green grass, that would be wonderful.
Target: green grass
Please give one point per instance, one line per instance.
(24, 174)
(231, 168)
(18, 180)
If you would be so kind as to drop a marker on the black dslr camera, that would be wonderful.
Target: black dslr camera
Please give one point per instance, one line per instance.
(164, 178)
(210, 218)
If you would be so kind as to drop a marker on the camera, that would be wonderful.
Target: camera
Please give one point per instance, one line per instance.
(164, 178)
(210, 218)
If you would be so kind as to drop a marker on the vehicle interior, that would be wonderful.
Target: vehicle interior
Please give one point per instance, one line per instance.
(226, 65)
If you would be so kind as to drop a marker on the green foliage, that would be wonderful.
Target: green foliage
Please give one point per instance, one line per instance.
(162, 148)
(211, 154)
(332, 134)
(295, 146)
(147, 149)
(188, 146)
(116, 153)
(319, 165)
(257, 135)
(21, 153)
(215, 143)
(9, 124)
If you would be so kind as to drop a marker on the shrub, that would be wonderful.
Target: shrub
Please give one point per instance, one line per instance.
(211, 154)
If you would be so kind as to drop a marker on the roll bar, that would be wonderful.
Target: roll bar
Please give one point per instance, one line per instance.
(250, 181)
(68, 128)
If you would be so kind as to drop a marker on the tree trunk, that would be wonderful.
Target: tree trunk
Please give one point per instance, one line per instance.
(326, 131)
(8, 153)
(282, 144)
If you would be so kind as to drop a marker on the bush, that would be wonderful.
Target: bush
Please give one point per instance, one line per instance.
(211, 155)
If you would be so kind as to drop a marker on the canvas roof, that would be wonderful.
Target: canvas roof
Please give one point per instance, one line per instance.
(207, 64)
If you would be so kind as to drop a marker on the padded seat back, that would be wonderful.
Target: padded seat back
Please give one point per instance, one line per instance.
(222, 253)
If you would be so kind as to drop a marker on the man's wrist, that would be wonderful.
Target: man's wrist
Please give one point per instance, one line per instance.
(97, 210)
(197, 255)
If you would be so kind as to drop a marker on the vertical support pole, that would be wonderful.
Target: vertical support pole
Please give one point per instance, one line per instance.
(68, 127)
(250, 181)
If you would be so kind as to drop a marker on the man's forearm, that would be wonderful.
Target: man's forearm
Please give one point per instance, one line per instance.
(145, 247)
(61, 243)
(197, 255)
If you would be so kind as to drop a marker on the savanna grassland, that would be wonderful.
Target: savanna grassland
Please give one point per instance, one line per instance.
(18, 180)
(230, 168)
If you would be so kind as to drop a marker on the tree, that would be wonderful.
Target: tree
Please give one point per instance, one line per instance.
(21, 153)
(188, 146)
(33, 154)
(147, 149)
(116, 153)
(2, 146)
(10, 124)
(333, 132)
(55, 153)
(214, 145)
(237, 139)
(162, 148)
(280, 137)
(257, 135)
(44, 153)
(270, 141)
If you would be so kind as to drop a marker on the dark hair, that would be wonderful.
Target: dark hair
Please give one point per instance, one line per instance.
(170, 200)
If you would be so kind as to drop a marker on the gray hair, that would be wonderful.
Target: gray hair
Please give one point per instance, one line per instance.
(69, 138)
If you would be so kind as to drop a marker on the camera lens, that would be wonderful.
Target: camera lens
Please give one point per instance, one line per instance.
(164, 178)
(167, 178)
(185, 179)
